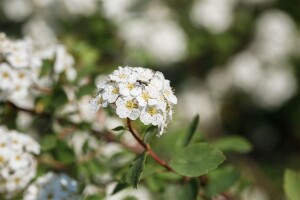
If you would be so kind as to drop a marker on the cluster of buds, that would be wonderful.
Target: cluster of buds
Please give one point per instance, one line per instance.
(17, 161)
(137, 92)
(52, 186)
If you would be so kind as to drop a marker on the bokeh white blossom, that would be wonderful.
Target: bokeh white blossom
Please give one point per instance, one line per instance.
(21, 69)
(17, 161)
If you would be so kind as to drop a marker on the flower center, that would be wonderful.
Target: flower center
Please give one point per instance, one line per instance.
(146, 96)
(130, 86)
(131, 104)
(115, 91)
(5, 75)
(152, 111)
(21, 75)
(18, 157)
(122, 76)
(1, 159)
(17, 180)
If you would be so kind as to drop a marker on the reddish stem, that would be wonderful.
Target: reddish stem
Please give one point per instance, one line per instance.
(148, 148)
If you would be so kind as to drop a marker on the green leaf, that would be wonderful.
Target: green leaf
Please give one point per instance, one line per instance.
(135, 170)
(47, 68)
(234, 144)
(191, 131)
(49, 142)
(95, 197)
(228, 176)
(196, 160)
(149, 133)
(189, 191)
(64, 153)
(120, 186)
(291, 184)
(119, 128)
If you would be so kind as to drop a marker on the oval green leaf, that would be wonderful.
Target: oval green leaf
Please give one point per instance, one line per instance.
(196, 160)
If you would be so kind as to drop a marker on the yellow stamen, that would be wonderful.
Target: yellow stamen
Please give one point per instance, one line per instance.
(18, 157)
(131, 104)
(146, 96)
(21, 75)
(115, 91)
(17, 180)
(152, 111)
(1, 159)
(5, 75)
(122, 76)
(130, 86)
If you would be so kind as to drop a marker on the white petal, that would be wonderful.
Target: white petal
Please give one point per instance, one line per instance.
(135, 113)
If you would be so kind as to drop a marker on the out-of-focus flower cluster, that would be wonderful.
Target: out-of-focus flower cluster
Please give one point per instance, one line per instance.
(53, 186)
(155, 32)
(18, 10)
(22, 67)
(17, 161)
(137, 93)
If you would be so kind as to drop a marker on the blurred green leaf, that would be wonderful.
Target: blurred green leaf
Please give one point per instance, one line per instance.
(135, 170)
(48, 142)
(196, 159)
(149, 133)
(192, 129)
(189, 190)
(291, 184)
(64, 153)
(47, 67)
(95, 197)
(85, 90)
(120, 186)
(119, 128)
(221, 180)
(234, 144)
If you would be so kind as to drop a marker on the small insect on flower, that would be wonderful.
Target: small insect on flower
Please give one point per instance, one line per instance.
(137, 92)
(142, 82)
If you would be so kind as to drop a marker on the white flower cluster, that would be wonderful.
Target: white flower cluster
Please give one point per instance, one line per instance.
(21, 65)
(52, 186)
(19, 10)
(17, 161)
(137, 93)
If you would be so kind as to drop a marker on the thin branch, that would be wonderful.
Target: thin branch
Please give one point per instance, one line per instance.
(105, 135)
(148, 148)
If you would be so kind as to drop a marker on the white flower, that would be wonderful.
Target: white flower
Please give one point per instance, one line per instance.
(147, 94)
(137, 93)
(17, 162)
(97, 102)
(168, 93)
(111, 93)
(152, 115)
(5, 77)
(18, 59)
(130, 89)
(122, 75)
(53, 186)
(128, 108)
(21, 65)
(64, 63)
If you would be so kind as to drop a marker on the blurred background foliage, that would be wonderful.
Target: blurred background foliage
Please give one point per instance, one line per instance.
(234, 62)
